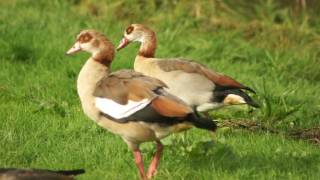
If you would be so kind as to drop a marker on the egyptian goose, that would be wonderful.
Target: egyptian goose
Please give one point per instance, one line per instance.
(194, 83)
(128, 103)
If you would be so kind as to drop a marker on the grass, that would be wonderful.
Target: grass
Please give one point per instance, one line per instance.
(42, 121)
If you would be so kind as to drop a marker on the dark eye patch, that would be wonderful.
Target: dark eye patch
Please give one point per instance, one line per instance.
(84, 38)
(129, 29)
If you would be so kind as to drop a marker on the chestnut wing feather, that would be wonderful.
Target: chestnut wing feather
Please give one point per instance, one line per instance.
(188, 66)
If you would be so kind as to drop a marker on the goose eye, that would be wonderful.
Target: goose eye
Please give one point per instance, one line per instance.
(85, 38)
(129, 29)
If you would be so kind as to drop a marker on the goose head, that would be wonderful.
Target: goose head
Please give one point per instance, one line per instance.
(95, 43)
(136, 33)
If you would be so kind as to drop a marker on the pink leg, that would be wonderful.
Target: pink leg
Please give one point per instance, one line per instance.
(155, 161)
(139, 162)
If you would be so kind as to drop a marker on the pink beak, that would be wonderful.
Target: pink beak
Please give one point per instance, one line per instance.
(75, 48)
(123, 43)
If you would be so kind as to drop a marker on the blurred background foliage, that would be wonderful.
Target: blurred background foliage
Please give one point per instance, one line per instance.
(298, 14)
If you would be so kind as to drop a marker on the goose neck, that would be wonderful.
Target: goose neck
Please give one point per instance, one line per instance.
(148, 45)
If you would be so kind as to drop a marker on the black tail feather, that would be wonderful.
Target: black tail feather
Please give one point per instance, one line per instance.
(249, 89)
(220, 95)
(247, 98)
(202, 123)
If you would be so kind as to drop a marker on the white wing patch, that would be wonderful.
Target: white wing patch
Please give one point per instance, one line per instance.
(119, 111)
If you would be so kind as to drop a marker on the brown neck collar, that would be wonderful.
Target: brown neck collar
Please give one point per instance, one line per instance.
(104, 57)
(148, 46)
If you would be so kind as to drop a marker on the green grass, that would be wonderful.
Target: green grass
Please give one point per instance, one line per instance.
(43, 126)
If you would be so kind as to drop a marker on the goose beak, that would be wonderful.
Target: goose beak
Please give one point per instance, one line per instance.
(123, 43)
(75, 48)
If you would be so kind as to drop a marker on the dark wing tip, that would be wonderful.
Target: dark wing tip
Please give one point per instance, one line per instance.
(71, 172)
(250, 101)
(249, 89)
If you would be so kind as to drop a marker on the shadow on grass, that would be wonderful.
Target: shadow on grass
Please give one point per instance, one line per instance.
(22, 54)
(218, 156)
